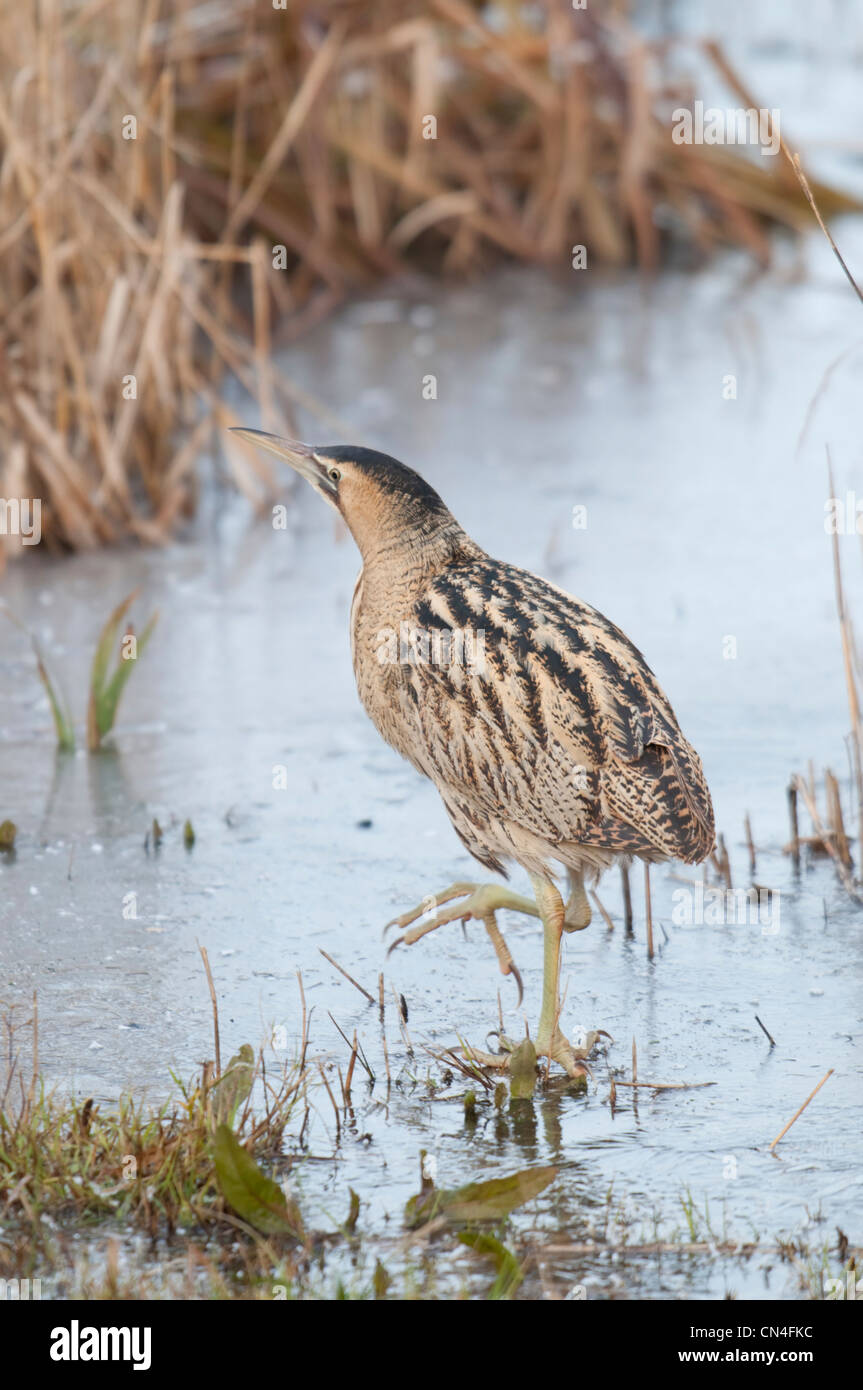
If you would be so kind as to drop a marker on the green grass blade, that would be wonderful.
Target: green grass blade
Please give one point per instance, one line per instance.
(107, 639)
(59, 708)
(62, 721)
(109, 697)
(99, 669)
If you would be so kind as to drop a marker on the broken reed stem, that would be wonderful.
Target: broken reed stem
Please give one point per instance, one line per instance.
(305, 1033)
(795, 829)
(627, 896)
(764, 1031)
(794, 160)
(796, 1116)
(606, 918)
(835, 818)
(332, 1101)
(215, 1005)
(351, 1065)
(451, 1059)
(826, 839)
(724, 861)
(386, 1056)
(402, 1024)
(355, 1049)
(750, 843)
(634, 1062)
(848, 661)
(648, 911)
(382, 1014)
(344, 972)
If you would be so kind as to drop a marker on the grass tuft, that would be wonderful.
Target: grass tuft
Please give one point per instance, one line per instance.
(105, 690)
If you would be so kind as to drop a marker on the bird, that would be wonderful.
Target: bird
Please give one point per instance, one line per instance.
(544, 730)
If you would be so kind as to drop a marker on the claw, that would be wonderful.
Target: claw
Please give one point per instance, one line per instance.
(516, 974)
(479, 902)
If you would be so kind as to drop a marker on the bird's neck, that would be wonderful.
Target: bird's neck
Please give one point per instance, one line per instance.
(419, 551)
(397, 567)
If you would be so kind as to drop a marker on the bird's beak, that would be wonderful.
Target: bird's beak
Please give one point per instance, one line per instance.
(301, 457)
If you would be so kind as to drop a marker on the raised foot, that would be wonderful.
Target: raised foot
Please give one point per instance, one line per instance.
(476, 900)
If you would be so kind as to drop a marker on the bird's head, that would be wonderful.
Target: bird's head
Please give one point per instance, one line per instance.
(382, 502)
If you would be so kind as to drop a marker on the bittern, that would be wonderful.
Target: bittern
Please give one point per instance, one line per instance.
(541, 725)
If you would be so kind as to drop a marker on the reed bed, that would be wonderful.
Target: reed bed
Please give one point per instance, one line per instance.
(829, 834)
(178, 180)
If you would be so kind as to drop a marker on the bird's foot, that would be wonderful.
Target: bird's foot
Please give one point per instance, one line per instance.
(571, 1056)
(478, 900)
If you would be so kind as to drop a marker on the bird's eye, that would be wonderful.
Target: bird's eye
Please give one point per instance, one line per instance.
(333, 474)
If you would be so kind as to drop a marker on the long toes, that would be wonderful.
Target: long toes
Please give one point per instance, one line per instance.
(577, 1067)
(405, 919)
(570, 1058)
(586, 1039)
(439, 920)
(458, 890)
(498, 1061)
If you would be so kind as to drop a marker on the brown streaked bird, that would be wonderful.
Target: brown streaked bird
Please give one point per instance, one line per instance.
(541, 725)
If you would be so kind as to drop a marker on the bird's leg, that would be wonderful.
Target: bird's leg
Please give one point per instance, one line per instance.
(480, 900)
(550, 1041)
(578, 914)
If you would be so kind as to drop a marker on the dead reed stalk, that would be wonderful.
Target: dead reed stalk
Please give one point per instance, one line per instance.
(184, 182)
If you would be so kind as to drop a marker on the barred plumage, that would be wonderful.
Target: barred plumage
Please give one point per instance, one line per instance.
(548, 736)
(558, 744)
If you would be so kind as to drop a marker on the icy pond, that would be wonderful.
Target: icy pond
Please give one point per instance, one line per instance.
(658, 450)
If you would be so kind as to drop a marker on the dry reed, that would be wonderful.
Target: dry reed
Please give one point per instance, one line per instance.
(178, 179)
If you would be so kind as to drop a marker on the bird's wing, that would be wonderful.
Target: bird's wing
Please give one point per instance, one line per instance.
(550, 718)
